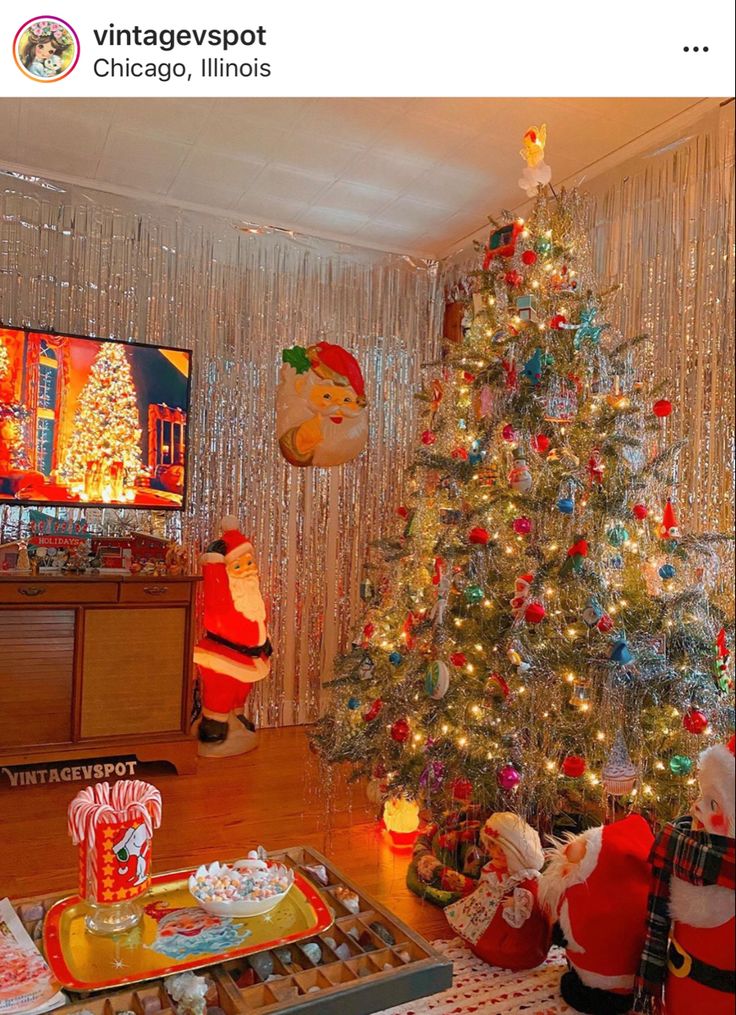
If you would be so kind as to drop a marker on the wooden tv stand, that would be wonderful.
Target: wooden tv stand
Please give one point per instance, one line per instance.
(93, 666)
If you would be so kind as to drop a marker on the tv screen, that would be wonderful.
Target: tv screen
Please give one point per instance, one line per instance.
(89, 421)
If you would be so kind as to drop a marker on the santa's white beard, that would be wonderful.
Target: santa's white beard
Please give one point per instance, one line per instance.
(248, 601)
(341, 442)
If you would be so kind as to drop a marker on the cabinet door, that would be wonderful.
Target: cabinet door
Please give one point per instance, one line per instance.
(133, 673)
(36, 675)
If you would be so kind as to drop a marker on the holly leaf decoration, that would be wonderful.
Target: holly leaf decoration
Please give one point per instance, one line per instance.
(297, 358)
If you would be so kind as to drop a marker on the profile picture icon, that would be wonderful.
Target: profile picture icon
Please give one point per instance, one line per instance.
(46, 49)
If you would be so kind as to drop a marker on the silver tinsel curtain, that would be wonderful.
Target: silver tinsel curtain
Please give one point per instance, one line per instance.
(88, 263)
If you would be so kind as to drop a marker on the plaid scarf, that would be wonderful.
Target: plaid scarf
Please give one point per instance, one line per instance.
(696, 857)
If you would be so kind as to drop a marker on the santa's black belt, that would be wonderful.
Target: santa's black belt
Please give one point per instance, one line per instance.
(681, 964)
(266, 649)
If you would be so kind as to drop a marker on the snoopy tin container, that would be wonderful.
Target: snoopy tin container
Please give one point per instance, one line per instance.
(113, 828)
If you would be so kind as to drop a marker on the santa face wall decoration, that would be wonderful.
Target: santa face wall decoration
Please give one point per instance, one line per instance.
(321, 408)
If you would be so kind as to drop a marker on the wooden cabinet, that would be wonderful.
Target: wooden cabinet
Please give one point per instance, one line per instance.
(94, 667)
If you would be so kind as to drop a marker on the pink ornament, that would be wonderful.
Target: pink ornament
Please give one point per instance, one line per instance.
(508, 433)
(522, 525)
(508, 778)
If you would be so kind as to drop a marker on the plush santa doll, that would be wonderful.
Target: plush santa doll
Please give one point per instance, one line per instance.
(596, 886)
(690, 953)
(501, 920)
(235, 650)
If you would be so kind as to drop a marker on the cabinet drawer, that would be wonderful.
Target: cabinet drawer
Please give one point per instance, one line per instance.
(155, 591)
(40, 591)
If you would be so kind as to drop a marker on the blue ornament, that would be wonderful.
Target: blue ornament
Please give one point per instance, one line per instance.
(620, 653)
(533, 367)
(462, 424)
(396, 658)
(353, 703)
(566, 505)
(588, 330)
(617, 562)
(667, 571)
(475, 457)
(617, 536)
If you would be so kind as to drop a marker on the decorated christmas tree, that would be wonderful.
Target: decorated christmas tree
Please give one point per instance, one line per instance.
(13, 417)
(542, 636)
(103, 454)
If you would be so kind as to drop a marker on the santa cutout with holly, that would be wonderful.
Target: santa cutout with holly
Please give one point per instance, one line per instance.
(235, 651)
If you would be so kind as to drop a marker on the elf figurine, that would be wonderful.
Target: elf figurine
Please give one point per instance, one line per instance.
(502, 921)
(235, 651)
(687, 966)
(596, 885)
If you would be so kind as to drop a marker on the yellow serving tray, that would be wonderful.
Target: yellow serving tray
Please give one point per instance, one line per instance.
(175, 934)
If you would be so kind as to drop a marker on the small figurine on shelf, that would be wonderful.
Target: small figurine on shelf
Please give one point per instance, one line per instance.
(502, 920)
(78, 560)
(596, 886)
(235, 651)
(687, 964)
(176, 559)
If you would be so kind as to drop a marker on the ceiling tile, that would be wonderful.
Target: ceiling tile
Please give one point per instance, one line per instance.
(175, 119)
(346, 196)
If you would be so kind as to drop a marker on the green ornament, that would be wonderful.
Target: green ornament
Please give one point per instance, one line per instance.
(680, 764)
(617, 536)
(543, 246)
(474, 593)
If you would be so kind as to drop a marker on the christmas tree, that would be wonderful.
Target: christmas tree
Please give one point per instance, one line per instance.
(542, 636)
(103, 453)
(13, 417)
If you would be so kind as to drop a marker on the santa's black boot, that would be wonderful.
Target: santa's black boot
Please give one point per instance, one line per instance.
(212, 731)
(591, 1000)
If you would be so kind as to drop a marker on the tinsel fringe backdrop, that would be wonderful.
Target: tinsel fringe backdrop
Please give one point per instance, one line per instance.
(90, 263)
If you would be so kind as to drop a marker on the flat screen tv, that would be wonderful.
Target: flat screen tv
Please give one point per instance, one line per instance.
(90, 421)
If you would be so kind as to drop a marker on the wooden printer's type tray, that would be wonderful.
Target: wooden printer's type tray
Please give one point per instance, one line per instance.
(366, 976)
(174, 935)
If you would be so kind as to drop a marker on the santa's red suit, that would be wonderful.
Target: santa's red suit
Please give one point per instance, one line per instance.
(235, 650)
(597, 887)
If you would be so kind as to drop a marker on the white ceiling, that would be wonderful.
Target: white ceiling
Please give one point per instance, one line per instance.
(415, 176)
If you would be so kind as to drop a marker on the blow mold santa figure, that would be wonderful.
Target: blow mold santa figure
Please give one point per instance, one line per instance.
(321, 414)
(596, 886)
(235, 651)
(688, 962)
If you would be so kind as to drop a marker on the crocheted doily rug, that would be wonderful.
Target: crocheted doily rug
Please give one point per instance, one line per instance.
(486, 990)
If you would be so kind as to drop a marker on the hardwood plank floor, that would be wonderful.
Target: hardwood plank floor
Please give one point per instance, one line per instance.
(274, 796)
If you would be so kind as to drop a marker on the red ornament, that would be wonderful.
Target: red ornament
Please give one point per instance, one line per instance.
(557, 321)
(522, 525)
(402, 511)
(605, 624)
(458, 659)
(508, 778)
(514, 277)
(640, 511)
(731, 745)
(508, 433)
(460, 453)
(662, 408)
(573, 766)
(372, 713)
(400, 731)
(368, 631)
(540, 443)
(479, 536)
(462, 789)
(529, 257)
(695, 721)
(535, 613)
(496, 683)
(468, 377)
(429, 437)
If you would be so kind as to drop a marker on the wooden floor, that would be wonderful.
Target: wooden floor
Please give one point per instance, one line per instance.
(275, 796)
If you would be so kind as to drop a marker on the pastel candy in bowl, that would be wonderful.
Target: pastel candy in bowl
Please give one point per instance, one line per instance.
(246, 888)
